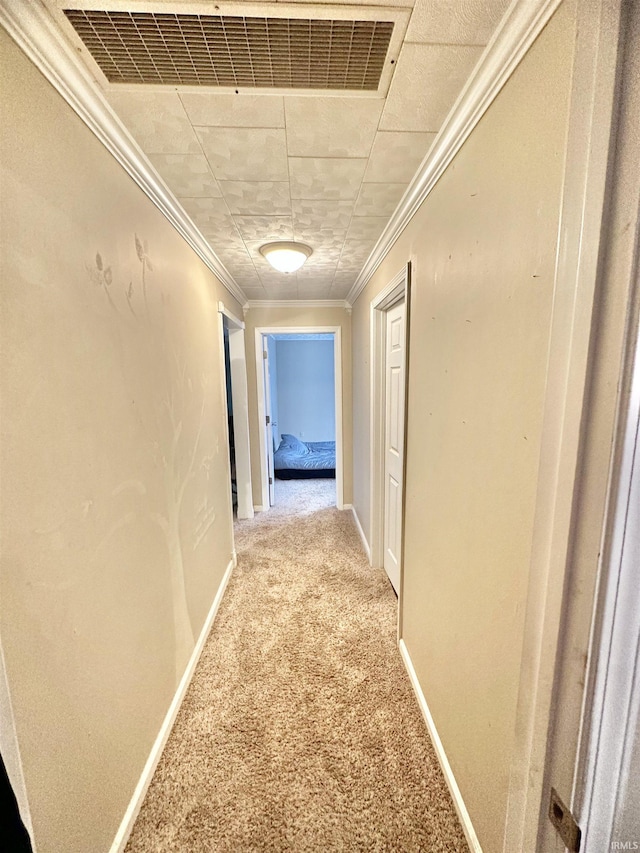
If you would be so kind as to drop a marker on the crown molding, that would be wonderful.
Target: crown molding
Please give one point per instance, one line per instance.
(298, 303)
(515, 34)
(35, 32)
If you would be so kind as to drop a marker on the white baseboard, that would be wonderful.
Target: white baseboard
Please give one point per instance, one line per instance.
(124, 831)
(458, 802)
(362, 536)
(257, 508)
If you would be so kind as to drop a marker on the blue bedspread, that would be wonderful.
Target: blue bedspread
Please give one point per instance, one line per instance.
(305, 456)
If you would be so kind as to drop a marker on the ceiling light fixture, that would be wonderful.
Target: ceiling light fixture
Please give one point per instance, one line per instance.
(286, 257)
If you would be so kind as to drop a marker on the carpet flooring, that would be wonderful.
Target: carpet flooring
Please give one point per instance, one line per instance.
(300, 731)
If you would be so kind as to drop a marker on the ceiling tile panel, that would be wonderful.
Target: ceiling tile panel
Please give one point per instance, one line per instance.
(245, 154)
(234, 249)
(157, 121)
(270, 277)
(314, 214)
(326, 178)
(453, 22)
(211, 215)
(257, 197)
(216, 110)
(354, 254)
(187, 175)
(351, 260)
(342, 284)
(365, 229)
(229, 246)
(195, 206)
(275, 281)
(259, 166)
(344, 278)
(331, 127)
(378, 199)
(338, 292)
(310, 285)
(426, 83)
(318, 264)
(262, 229)
(326, 243)
(247, 280)
(255, 292)
(236, 261)
(395, 156)
(314, 291)
(284, 291)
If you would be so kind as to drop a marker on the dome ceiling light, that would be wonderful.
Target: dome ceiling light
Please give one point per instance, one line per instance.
(286, 257)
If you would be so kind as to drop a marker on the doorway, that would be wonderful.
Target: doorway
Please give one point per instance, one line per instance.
(299, 383)
(389, 348)
(237, 397)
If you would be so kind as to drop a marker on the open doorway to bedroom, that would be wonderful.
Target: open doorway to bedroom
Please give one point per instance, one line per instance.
(300, 410)
(237, 399)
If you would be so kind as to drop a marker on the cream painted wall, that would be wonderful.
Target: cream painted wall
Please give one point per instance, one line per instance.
(115, 503)
(302, 316)
(483, 250)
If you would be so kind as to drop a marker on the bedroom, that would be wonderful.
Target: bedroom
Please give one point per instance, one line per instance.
(300, 384)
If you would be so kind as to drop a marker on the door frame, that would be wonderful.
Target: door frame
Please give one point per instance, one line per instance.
(10, 750)
(586, 750)
(561, 478)
(396, 291)
(612, 693)
(336, 331)
(267, 437)
(240, 397)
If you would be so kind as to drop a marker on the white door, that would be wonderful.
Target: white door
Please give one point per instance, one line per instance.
(268, 427)
(394, 440)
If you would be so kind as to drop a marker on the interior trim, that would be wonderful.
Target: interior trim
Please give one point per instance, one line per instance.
(365, 544)
(456, 796)
(297, 303)
(10, 749)
(222, 309)
(395, 291)
(338, 367)
(34, 31)
(515, 34)
(574, 368)
(613, 686)
(240, 397)
(133, 809)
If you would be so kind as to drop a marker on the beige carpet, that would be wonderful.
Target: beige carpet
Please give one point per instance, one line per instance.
(300, 731)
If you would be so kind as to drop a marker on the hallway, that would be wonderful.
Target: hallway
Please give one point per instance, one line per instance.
(491, 185)
(300, 730)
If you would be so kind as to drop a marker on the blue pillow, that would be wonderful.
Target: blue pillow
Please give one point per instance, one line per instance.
(295, 444)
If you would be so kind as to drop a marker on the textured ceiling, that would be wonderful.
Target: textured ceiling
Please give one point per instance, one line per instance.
(254, 167)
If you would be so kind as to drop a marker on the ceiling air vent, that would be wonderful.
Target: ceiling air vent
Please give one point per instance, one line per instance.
(224, 50)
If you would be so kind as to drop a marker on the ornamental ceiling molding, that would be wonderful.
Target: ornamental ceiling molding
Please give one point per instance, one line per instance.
(298, 304)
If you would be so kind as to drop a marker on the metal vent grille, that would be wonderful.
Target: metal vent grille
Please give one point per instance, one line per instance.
(221, 50)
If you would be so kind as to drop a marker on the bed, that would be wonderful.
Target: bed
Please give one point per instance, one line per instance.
(299, 460)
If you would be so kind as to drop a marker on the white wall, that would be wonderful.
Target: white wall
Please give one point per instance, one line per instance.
(306, 393)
